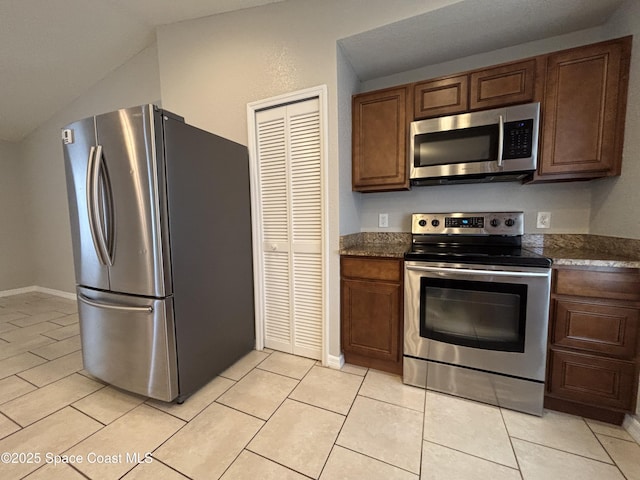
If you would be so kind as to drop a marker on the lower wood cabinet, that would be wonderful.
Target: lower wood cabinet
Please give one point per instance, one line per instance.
(372, 312)
(593, 380)
(592, 365)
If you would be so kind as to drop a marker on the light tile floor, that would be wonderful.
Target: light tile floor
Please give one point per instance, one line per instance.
(269, 416)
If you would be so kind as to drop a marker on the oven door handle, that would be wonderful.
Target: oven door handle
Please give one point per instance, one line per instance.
(464, 271)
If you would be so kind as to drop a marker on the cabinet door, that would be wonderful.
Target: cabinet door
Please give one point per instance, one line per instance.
(583, 112)
(599, 328)
(445, 96)
(379, 159)
(371, 319)
(592, 380)
(503, 85)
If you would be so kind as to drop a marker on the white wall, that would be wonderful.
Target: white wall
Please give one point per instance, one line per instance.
(16, 263)
(135, 82)
(210, 68)
(350, 201)
(569, 204)
(615, 201)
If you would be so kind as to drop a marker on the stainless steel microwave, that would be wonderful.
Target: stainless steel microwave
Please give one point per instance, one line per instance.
(489, 145)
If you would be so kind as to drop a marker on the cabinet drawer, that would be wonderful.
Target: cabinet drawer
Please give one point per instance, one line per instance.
(622, 285)
(597, 328)
(386, 269)
(593, 380)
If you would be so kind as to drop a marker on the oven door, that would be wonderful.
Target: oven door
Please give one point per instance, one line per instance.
(483, 317)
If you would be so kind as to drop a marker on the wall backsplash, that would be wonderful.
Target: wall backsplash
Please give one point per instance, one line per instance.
(569, 204)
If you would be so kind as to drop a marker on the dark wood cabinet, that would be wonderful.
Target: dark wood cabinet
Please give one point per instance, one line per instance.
(372, 312)
(583, 112)
(592, 327)
(593, 342)
(493, 87)
(379, 160)
(503, 85)
(593, 380)
(582, 93)
(442, 96)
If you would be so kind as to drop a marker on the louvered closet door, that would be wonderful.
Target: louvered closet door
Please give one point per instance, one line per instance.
(289, 159)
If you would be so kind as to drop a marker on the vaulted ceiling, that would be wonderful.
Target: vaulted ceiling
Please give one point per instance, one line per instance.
(51, 51)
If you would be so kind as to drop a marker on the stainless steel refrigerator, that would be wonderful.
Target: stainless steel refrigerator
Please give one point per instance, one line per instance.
(161, 231)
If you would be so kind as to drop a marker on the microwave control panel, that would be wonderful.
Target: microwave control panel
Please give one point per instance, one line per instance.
(518, 139)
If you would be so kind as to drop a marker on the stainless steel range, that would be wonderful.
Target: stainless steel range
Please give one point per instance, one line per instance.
(476, 309)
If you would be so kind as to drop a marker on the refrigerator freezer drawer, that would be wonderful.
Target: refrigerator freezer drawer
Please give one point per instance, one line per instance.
(129, 342)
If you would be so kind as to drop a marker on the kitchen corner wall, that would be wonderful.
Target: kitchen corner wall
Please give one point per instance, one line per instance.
(16, 262)
(41, 165)
(604, 207)
(615, 201)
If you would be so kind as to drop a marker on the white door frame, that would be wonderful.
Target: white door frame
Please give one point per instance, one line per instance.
(319, 92)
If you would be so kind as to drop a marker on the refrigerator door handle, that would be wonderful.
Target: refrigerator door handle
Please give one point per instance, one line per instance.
(91, 204)
(99, 237)
(109, 306)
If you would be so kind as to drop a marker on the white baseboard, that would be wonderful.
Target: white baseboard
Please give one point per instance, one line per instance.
(35, 288)
(632, 425)
(17, 291)
(58, 293)
(335, 362)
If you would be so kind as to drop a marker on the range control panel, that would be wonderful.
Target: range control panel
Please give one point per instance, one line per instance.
(496, 223)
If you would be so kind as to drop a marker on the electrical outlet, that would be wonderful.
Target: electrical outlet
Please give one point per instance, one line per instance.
(383, 220)
(544, 220)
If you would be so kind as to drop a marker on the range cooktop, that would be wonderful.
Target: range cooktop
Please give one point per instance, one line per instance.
(480, 238)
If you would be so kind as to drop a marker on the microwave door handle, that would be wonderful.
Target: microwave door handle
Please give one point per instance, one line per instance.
(500, 140)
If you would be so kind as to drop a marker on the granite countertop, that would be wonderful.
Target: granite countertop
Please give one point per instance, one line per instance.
(564, 249)
(373, 244)
(586, 250)
(578, 257)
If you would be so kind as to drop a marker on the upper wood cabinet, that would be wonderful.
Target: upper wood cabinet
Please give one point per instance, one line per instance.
(493, 87)
(380, 137)
(503, 85)
(444, 96)
(583, 112)
(582, 93)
